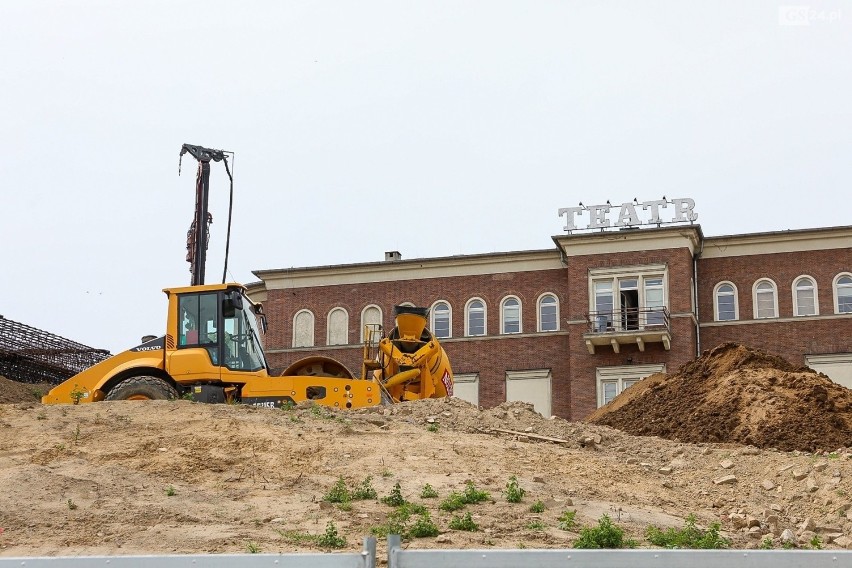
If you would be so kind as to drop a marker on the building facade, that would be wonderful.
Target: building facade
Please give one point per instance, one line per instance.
(569, 327)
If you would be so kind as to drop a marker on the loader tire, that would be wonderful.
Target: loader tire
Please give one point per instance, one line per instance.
(142, 388)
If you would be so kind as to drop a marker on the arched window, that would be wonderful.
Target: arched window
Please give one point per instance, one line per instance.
(765, 299)
(843, 294)
(338, 327)
(805, 301)
(474, 321)
(725, 304)
(548, 313)
(303, 329)
(442, 319)
(371, 315)
(510, 315)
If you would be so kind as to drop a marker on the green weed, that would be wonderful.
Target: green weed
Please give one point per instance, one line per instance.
(514, 493)
(465, 523)
(71, 505)
(170, 491)
(537, 507)
(331, 539)
(428, 492)
(252, 547)
(395, 498)
(566, 520)
(338, 493)
(689, 536)
(365, 490)
(605, 535)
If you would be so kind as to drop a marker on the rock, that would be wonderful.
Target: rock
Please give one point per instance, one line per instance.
(784, 468)
(646, 465)
(750, 451)
(737, 521)
(807, 525)
(538, 479)
(705, 450)
(768, 485)
(569, 502)
(820, 465)
(755, 532)
(668, 484)
(843, 542)
(842, 509)
(788, 536)
(666, 470)
(430, 419)
(776, 507)
(443, 538)
(811, 485)
(632, 460)
(806, 537)
(831, 537)
(828, 529)
(799, 473)
(726, 464)
(751, 522)
(725, 480)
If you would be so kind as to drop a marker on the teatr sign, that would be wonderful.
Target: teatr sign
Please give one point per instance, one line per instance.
(681, 212)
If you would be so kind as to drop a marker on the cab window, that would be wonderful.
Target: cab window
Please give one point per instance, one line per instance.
(197, 320)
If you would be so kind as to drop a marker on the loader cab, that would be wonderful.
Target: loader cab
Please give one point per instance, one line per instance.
(217, 332)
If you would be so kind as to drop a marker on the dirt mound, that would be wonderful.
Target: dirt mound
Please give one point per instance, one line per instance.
(739, 395)
(13, 391)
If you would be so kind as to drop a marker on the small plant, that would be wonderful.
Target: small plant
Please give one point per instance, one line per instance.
(432, 427)
(605, 535)
(365, 490)
(465, 523)
(77, 434)
(514, 492)
(423, 527)
(37, 393)
(77, 394)
(387, 473)
(42, 415)
(295, 537)
(453, 502)
(59, 447)
(473, 495)
(535, 525)
(71, 505)
(188, 396)
(428, 492)
(330, 539)
(566, 520)
(537, 507)
(170, 491)
(338, 493)
(766, 544)
(816, 543)
(690, 536)
(395, 498)
(345, 506)
(288, 405)
(252, 547)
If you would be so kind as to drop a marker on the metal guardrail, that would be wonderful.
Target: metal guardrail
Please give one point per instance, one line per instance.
(399, 557)
(365, 559)
(567, 558)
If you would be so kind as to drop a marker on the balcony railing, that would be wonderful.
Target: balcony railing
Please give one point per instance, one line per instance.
(636, 326)
(628, 319)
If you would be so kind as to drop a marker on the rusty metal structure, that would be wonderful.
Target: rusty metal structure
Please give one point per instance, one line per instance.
(31, 355)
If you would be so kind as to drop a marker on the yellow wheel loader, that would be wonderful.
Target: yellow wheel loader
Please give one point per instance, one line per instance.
(212, 352)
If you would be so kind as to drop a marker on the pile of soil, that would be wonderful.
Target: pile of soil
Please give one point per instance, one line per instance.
(736, 394)
(13, 391)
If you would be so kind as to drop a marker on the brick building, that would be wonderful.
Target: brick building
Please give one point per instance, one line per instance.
(567, 328)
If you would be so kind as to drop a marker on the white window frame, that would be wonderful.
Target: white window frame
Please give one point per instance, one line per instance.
(757, 283)
(503, 315)
(449, 315)
(381, 321)
(545, 375)
(834, 285)
(313, 327)
(467, 317)
(472, 379)
(328, 326)
(716, 300)
(794, 288)
(538, 306)
(621, 374)
(640, 273)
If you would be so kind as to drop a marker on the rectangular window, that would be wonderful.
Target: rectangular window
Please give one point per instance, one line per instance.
(629, 298)
(612, 381)
(603, 305)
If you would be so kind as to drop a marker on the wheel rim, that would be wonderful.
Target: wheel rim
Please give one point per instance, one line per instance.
(138, 397)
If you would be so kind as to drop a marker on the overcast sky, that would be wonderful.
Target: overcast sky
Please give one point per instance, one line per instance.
(432, 128)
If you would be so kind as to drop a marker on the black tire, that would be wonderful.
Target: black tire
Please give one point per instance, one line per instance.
(142, 388)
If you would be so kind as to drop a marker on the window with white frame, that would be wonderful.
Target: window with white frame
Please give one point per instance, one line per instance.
(338, 327)
(548, 313)
(612, 381)
(303, 329)
(510, 315)
(466, 387)
(628, 298)
(372, 316)
(725, 305)
(475, 312)
(843, 294)
(765, 299)
(805, 302)
(442, 319)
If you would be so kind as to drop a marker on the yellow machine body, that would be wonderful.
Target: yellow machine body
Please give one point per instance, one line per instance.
(212, 352)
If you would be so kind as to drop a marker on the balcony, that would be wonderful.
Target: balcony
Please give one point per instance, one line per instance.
(630, 326)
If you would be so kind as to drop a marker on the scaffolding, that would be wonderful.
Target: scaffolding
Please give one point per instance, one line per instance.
(31, 355)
